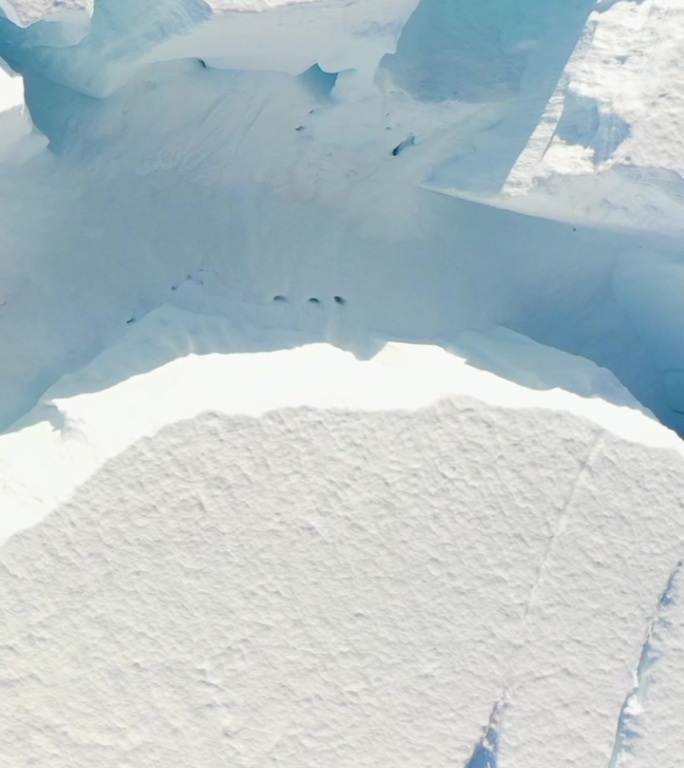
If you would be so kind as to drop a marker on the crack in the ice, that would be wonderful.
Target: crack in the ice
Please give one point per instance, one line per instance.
(627, 731)
(486, 751)
(562, 520)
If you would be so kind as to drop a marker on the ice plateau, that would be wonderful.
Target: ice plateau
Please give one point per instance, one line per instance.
(342, 383)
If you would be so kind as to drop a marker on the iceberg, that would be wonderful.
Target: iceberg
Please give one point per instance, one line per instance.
(342, 388)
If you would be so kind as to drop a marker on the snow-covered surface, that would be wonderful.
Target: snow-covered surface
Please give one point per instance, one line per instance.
(340, 344)
(371, 578)
(608, 147)
(325, 559)
(17, 138)
(25, 12)
(97, 413)
(11, 91)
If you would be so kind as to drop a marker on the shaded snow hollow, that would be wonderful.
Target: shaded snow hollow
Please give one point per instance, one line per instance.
(340, 344)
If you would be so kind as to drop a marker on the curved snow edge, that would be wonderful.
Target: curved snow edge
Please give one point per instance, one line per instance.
(68, 437)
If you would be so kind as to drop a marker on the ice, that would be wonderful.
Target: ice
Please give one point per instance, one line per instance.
(353, 566)
(26, 12)
(153, 376)
(187, 198)
(611, 102)
(657, 742)
(341, 349)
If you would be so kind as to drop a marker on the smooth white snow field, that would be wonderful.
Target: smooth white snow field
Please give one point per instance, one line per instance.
(341, 383)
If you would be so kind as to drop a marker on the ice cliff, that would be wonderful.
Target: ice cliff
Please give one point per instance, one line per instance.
(342, 371)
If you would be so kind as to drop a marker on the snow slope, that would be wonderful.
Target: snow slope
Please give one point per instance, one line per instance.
(255, 531)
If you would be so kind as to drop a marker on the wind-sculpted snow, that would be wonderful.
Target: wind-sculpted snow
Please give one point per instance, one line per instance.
(416, 554)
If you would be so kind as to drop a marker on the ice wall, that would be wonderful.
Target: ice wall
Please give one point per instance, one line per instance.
(311, 138)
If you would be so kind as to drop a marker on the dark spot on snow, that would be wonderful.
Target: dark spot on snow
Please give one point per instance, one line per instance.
(574, 229)
(300, 128)
(409, 141)
(130, 320)
(279, 297)
(203, 63)
(338, 300)
(314, 300)
(174, 287)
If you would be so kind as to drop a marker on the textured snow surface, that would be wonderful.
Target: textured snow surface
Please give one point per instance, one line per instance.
(607, 147)
(94, 414)
(326, 560)
(340, 344)
(610, 140)
(322, 586)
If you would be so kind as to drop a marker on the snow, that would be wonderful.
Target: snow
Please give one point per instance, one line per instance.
(234, 149)
(353, 581)
(341, 355)
(175, 365)
(607, 148)
(17, 139)
(11, 91)
(26, 12)
(659, 689)
(467, 529)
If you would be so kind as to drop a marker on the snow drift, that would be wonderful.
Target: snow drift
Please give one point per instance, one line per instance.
(475, 534)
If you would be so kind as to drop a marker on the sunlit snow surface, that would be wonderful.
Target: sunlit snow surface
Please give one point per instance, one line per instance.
(249, 531)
